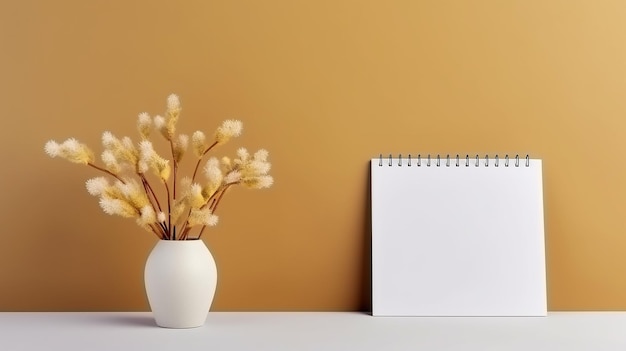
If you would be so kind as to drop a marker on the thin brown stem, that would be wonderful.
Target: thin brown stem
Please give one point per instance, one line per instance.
(145, 188)
(212, 198)
(219, 198)
(169, 211)
(201, 231)
(107, 172)
(148, 190)
(155, 231)
(152, 192)
(173, 229)
(213, 206)
(185, 228)
(183, 235)
(175, 169)
(163, 227)
(201, 207)
(195, 171)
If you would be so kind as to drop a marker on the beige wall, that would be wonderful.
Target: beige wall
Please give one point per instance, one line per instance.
(324, 86)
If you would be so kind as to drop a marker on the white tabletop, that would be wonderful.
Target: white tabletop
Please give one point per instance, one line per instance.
(312, 331)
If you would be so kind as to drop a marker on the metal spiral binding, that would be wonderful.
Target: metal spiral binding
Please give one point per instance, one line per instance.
(409, 161)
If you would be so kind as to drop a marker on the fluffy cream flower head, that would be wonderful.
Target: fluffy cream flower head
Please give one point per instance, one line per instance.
(196, 199)
(232, 177)
(168, 127)
(117, 207)
(161, 217)
(146, 153)
(144, 125)
(71, 150)
(109, 141)
(132, 193)
(110, 161)
(150, 159)
(180, 146)
(123, 150)
(173, 103)
(162, 168)
(198, 142)
(202, 217)
(243, 154)
(159, 123)
(147, 217)
(53, 149)
(97, 186)
(261, 155)
(229, 129)
(253, 172)
(258, 182)
(213, 172)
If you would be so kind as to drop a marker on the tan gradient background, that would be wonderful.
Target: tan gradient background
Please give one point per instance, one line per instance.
(324, 86)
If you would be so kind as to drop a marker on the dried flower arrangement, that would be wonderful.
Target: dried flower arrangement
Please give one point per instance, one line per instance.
(189, 203)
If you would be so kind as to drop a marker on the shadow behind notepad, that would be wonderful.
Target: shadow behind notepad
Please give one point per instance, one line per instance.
(460, 240)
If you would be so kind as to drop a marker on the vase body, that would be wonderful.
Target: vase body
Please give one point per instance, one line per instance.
(180, 279)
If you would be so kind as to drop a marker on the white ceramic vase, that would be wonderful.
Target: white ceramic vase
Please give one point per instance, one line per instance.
(180, 279)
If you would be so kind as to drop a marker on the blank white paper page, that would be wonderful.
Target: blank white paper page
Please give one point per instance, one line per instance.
(457, 240)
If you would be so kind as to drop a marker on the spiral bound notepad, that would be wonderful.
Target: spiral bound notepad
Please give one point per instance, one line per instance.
(457, 236)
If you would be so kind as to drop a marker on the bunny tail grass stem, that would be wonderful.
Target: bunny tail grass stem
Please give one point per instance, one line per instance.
(216, 202)
(175, 170)
(201, 231)
(155, 231)
(164, 229)
(147, 184)
(183, 230)
(173, 190)
(195, 171)
(210, 200)
(145, 188)
(107, 171)
(169, 211)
